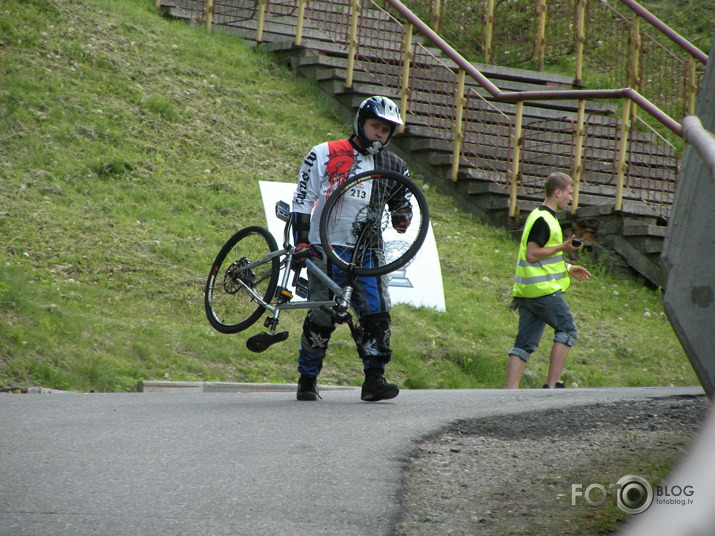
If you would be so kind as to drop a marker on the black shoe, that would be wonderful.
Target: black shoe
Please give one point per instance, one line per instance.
(307, 388)
(558, 385)
(376, 387)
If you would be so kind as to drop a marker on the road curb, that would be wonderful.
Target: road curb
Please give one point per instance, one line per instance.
(225, 387)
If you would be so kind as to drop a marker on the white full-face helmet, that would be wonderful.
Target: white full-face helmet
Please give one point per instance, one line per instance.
(382, 108)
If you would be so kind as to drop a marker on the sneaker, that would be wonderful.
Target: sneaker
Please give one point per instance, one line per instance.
(307, 388)
(376, 388)
(558, 385)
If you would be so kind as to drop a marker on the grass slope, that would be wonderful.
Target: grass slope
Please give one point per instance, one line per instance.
(131, 148)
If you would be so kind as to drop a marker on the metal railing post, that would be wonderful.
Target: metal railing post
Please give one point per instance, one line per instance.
(541, 35)
(516, 159)
(301, 19)
(635, 58)
(407, 56)
(489, 31)
(457, 131)
(692, 87)
(261, 20)
(352, 39)
(578, 154)
(634, 53)
(209, 14)
(435, 14)
(622, 151)
(580, 40)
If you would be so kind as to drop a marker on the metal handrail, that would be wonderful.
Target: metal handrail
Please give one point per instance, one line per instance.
(631, 98)
(666, 30)
(635, 54)
(701, 139)
(514, 97)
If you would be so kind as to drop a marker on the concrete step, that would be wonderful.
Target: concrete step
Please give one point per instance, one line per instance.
(634, 233)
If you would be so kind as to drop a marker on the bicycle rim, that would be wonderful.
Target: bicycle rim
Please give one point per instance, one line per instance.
(358, 214)
(230, 308)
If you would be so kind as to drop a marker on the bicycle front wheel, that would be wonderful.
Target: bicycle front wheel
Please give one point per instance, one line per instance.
(241, 267)
(374, 223)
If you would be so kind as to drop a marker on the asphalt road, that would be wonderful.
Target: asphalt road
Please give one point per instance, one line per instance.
(230, 463)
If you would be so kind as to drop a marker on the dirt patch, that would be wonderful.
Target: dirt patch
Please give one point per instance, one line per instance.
(513, 475)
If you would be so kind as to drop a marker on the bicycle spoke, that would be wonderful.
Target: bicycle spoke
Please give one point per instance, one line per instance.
(240, 266)
(381, 216)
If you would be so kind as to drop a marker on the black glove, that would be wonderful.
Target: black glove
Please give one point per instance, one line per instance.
(401, 218)
(301, 252)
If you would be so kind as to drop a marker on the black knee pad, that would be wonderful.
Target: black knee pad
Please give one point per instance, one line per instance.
(316, 335)
(376, 336)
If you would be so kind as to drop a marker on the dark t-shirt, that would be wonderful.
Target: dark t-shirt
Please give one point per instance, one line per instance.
(540, 231)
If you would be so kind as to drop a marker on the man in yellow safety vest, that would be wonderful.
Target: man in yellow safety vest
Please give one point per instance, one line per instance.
(542, 276)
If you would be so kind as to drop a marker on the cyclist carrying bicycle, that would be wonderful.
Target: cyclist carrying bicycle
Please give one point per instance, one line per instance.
(326, 166)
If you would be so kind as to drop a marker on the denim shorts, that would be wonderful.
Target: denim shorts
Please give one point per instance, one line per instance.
(534, 315)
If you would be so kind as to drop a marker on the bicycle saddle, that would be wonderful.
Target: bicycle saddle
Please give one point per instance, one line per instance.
(262, 341)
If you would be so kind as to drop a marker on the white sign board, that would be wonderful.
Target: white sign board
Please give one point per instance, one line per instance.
(419, 283)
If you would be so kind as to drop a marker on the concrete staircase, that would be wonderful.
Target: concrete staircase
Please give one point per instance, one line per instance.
(628, 241)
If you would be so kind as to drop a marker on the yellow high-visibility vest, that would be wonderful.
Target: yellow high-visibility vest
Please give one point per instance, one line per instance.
(546, 276)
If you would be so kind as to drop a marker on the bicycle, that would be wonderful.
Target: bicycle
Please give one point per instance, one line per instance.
(250, 273)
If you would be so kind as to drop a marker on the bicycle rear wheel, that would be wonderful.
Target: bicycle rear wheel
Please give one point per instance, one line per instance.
(230, 307)
(358, 225)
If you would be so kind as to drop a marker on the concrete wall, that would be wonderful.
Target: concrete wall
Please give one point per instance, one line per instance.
(689, 249)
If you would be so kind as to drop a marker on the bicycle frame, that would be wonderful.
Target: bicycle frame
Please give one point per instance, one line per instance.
(338, 305)
(352, 240)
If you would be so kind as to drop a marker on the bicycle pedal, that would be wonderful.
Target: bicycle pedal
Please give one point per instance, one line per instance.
(301, 288)
(263, 341)
(283, 295)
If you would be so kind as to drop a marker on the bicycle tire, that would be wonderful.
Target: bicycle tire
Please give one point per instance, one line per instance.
(229, 307)
(365, 201)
